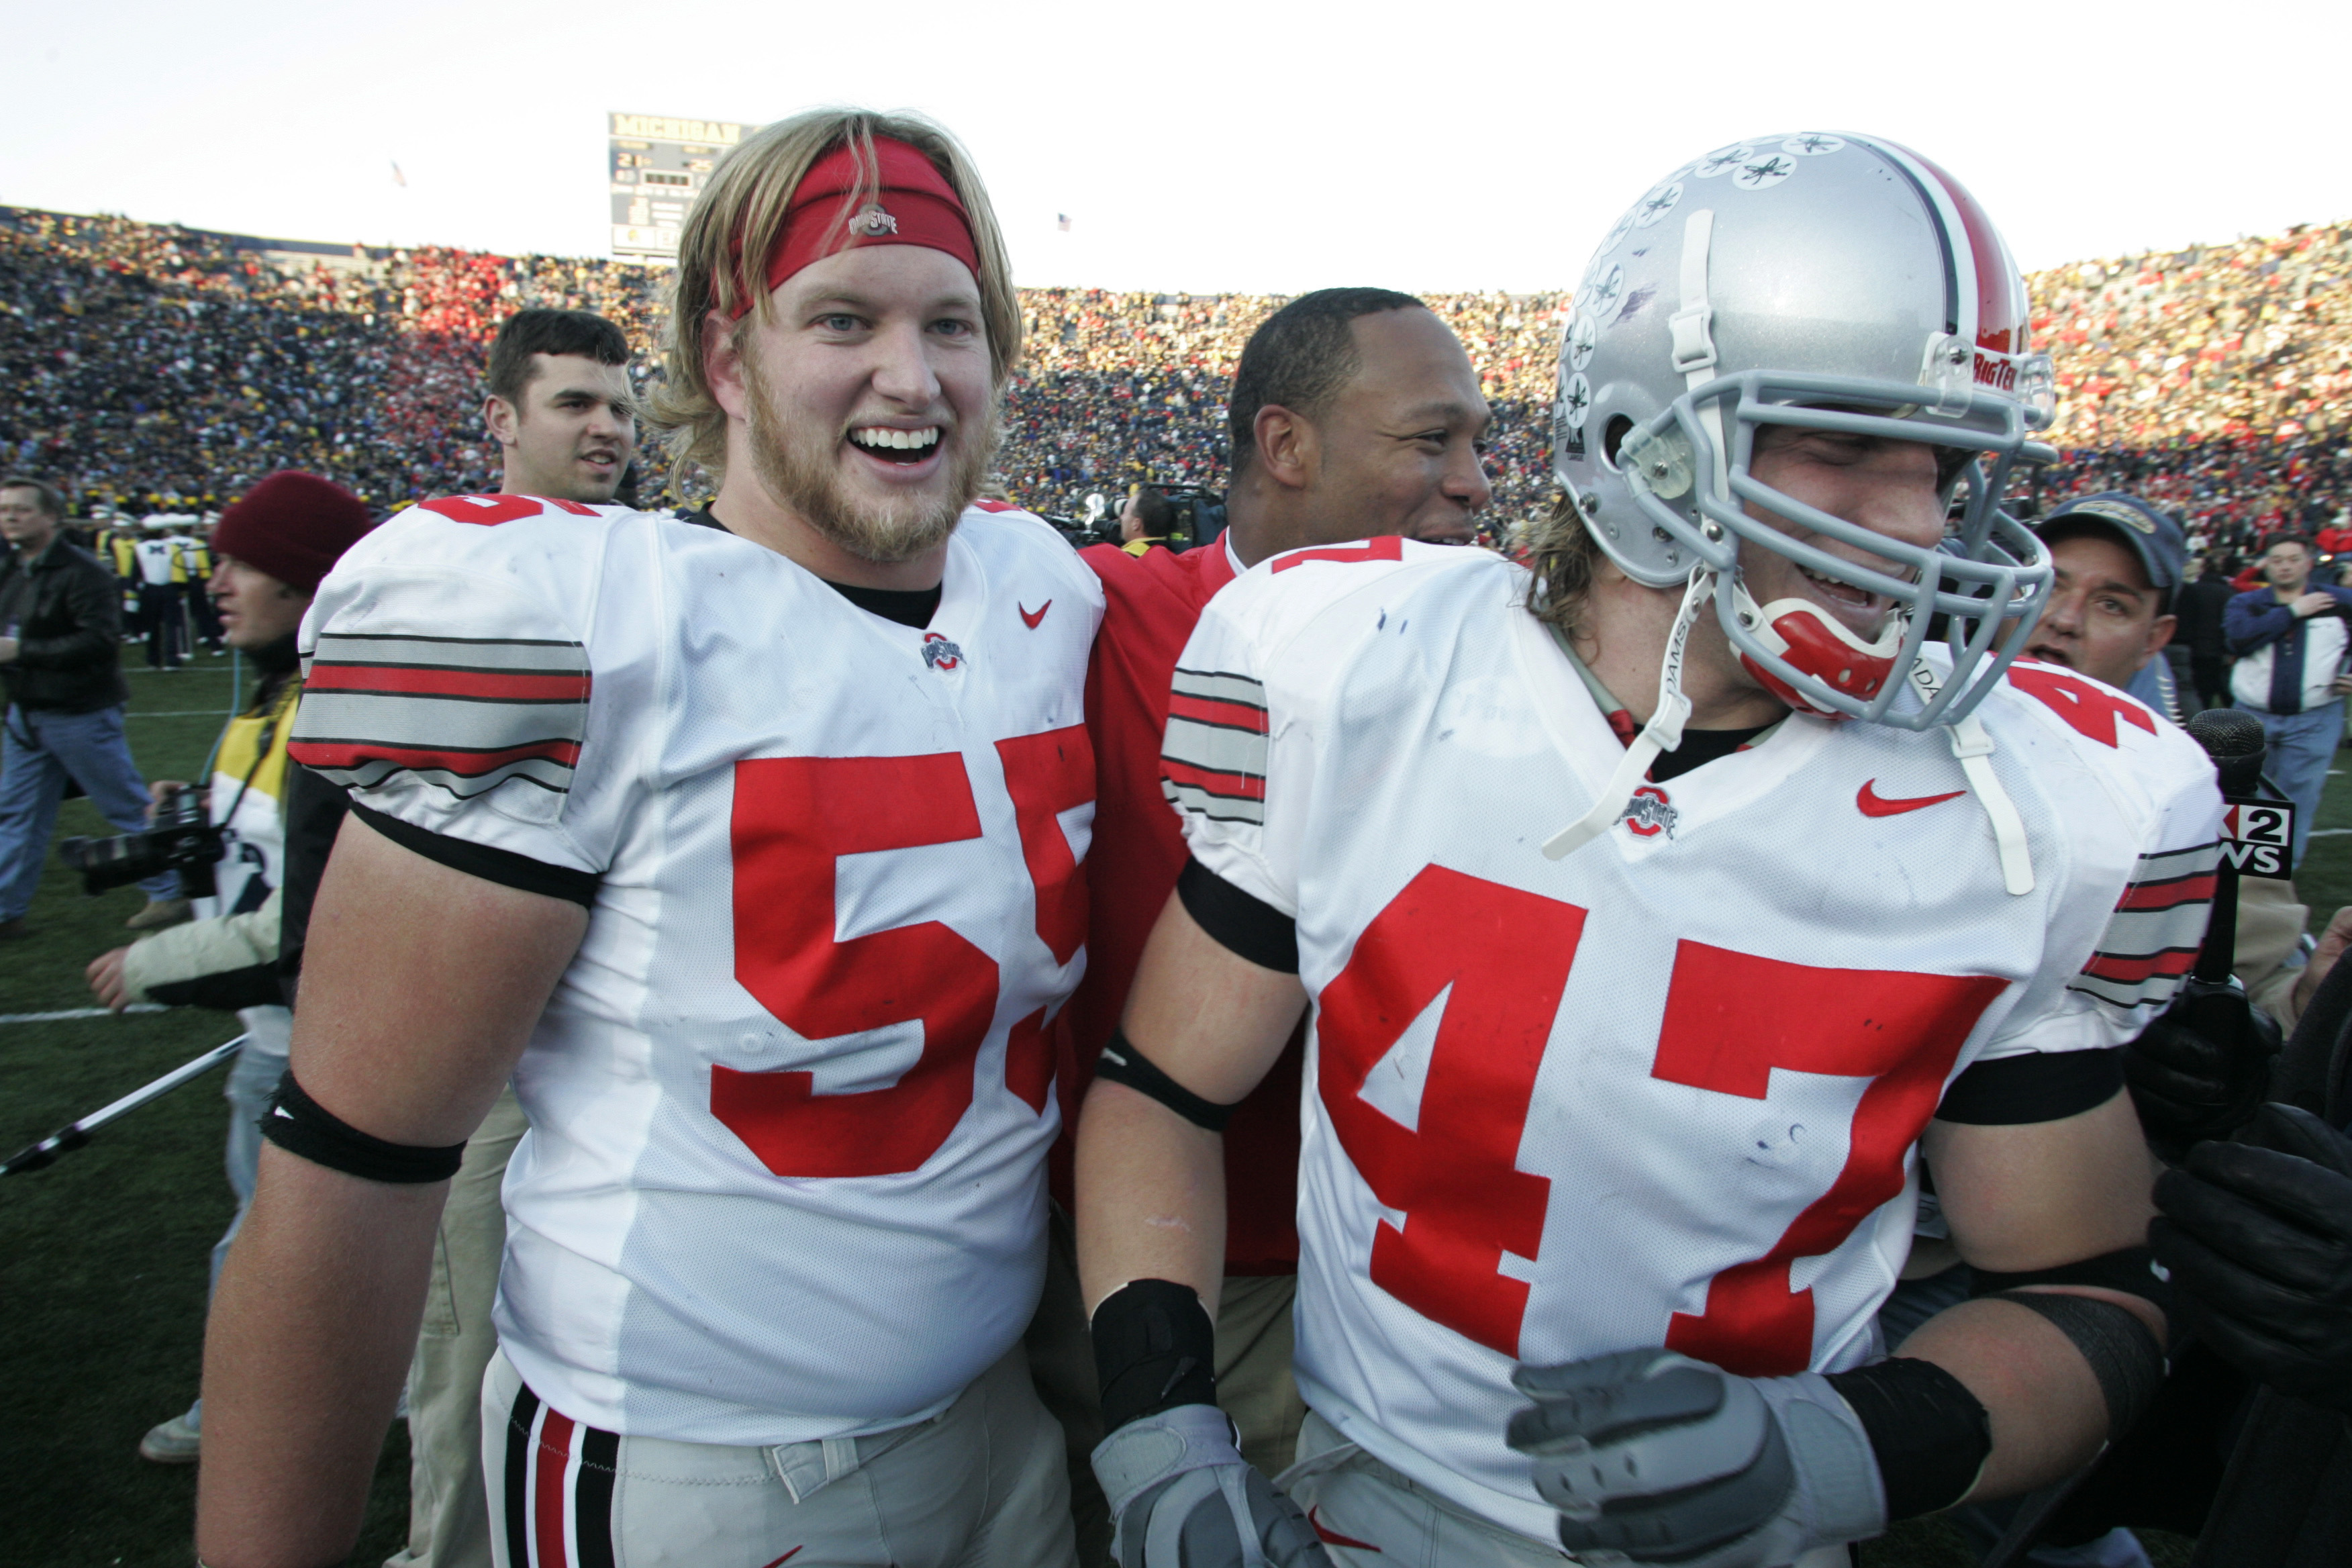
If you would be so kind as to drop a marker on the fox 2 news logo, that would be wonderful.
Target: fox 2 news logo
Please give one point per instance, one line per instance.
(2257, 837)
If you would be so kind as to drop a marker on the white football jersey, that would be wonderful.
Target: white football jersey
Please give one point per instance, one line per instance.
(791, 1102)
(1668, 1090)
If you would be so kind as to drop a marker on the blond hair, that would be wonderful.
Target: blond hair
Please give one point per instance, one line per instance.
(1565, 559)
(735, 224)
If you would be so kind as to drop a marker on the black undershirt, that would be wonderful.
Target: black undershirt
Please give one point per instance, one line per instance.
(1699, 748)
(908, 606)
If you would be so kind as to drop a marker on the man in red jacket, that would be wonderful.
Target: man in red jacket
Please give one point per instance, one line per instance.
(1355, 414)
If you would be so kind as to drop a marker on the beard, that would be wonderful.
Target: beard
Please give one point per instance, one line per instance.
(799, 468)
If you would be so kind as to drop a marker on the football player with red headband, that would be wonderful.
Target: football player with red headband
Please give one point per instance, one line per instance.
(1663, 912)
(748, 844)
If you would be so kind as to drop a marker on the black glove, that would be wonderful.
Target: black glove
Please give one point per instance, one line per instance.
(2200, 1069)
(2258, 1238)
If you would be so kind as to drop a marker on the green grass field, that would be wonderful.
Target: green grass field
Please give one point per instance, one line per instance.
(102, 1257)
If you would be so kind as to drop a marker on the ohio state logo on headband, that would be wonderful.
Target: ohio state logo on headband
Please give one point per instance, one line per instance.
(873, 222)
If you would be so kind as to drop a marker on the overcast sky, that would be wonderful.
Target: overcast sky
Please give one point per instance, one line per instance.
(1199, 146)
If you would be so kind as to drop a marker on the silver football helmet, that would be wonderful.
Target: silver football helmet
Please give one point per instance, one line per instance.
(1830, 281)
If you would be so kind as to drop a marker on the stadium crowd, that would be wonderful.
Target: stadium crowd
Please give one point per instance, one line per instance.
(156, 367)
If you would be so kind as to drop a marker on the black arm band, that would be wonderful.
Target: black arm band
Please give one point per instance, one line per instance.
(2124, 1356)
(503, 867)
(1155, 1349)
(2045, 1086)
(1243, 923)
(2129, 1271)
(1121, 1063)
(1929, 1433)
(301, 1125)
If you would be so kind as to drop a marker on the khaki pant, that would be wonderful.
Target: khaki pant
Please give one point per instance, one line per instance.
(1364, 1510)
(980, 1485)
(449, 1518)
(1254, 1381)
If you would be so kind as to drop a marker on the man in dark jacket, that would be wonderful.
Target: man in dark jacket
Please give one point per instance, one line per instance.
(60, 639)
(2199, 607)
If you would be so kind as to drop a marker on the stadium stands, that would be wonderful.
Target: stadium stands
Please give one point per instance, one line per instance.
(158, 366)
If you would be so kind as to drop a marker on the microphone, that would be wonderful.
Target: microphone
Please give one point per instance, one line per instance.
(2234, 739)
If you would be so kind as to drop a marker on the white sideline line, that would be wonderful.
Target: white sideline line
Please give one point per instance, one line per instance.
(79, 1013)
(2327, 832)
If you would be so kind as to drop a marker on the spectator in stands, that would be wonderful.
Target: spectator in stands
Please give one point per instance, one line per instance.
(275, 545)
(2289, 640)
(2215, 382)
(60, 658)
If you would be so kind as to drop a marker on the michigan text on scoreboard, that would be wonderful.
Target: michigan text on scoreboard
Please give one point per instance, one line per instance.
(658, 165)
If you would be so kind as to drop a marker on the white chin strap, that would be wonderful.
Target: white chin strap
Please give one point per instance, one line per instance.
(1972, 744)
(1664, 732)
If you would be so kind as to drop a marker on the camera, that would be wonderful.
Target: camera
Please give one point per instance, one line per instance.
(182, 838)
(1199, 517)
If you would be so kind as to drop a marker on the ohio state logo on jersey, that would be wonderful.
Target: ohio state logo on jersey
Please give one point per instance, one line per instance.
(1649, 814)
(939, 653)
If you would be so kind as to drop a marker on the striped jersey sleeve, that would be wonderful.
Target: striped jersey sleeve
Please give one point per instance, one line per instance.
(1217, 752)
(460, 714)
(445, 690)
(1213, 761)
(2151, 939)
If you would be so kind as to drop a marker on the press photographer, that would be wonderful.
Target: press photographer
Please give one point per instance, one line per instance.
(272, 547)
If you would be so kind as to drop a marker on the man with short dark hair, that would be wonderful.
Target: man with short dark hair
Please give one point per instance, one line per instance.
(1355, 414)
(60, 630)
(2290, 641)
(1148, 519)
(2110, 614)
(560, 405)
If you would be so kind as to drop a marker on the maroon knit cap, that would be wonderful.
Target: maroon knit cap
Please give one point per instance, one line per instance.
(293, 526)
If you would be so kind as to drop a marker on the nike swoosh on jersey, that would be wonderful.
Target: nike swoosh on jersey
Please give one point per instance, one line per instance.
(787, 1556)
(1029, 620)
(1325, 1533)
(1873, 804)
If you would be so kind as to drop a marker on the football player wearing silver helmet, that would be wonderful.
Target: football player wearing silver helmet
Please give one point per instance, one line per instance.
(1613, 1134)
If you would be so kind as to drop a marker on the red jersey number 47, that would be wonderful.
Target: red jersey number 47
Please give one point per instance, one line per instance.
(1731, 1018)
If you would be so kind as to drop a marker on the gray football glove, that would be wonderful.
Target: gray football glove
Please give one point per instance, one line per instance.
(1183, 1497)
(1652, 1457)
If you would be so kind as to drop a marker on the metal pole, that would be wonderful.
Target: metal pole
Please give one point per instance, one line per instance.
(66, 1139)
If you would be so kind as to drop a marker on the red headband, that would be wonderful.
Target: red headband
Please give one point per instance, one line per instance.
(915, 205)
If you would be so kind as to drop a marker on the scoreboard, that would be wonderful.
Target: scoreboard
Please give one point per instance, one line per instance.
(658, 166)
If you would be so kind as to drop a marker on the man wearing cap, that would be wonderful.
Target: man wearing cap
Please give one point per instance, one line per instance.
(61, 660)
(2118, 562)
(747, 844)
(2289, 640)
(272, 548)
(2118, 570)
